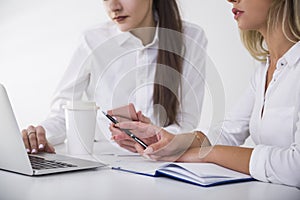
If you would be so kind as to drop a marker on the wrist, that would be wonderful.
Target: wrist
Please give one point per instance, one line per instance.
(207, 153)
(198, 154)
(200, 140)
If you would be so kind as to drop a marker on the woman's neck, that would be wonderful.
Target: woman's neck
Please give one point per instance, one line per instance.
(277, 43)
(145, 34)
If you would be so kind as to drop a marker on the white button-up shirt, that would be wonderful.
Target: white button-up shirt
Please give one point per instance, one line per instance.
(114, 68)
(271, 118)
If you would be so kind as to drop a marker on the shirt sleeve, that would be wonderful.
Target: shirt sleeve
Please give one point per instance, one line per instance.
(71, 87)
(278, 164)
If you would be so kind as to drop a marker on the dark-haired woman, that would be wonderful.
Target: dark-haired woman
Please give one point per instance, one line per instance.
(145, 55)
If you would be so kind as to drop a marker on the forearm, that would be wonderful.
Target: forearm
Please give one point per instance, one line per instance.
(232, 157)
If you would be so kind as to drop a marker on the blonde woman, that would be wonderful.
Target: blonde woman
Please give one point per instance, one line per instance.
(269, 111)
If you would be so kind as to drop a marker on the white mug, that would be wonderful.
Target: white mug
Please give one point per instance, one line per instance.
(80, 126)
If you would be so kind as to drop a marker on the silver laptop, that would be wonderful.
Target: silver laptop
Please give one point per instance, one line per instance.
(14, 158)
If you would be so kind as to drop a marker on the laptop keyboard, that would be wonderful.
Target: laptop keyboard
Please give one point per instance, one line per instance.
(39, 163)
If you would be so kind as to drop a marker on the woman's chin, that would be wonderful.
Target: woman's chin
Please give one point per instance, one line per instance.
(124, 28)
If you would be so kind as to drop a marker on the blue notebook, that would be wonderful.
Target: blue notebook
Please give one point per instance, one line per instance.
(201, 174)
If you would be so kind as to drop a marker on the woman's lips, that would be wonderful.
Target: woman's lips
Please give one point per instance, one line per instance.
(119, 19)
(237, 13)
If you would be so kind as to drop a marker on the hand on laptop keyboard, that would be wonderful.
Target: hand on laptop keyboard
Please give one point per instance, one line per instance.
(35, 140)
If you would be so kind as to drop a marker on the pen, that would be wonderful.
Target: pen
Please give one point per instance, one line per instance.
(130, 134)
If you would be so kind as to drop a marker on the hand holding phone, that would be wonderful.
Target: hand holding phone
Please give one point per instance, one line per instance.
(127, 112)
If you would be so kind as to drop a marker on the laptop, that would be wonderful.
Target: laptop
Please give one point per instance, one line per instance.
(14, 158)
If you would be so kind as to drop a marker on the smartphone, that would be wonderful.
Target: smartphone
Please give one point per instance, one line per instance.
(127, 112)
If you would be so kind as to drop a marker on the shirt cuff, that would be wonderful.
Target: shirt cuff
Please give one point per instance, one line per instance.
(258, 162)
(54, 135)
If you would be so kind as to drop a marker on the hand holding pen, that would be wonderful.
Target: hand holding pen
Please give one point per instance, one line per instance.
(128, 132)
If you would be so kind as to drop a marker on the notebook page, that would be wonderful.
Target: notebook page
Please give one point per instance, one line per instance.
(205, 170)
(190, 177)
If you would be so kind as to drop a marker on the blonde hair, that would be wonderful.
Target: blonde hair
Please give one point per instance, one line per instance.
(284, 12)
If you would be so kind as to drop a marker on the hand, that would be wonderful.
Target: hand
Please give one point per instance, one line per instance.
(187, 147)
(127, 142)
(126, 113)
(124, 141)
(35, 140)
(169, 147)
(162, 144)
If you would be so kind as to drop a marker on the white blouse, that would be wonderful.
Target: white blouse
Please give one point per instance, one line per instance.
(114, 68)
(271, 118)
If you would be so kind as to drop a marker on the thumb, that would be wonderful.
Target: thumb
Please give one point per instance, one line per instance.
(139, 148)
(49, 148)
(110, 112)
(143, 118)
(154, 147)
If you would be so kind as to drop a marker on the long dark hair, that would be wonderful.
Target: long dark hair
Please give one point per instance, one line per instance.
(170, 29)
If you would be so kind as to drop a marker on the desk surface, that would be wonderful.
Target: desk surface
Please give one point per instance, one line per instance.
(106, 184)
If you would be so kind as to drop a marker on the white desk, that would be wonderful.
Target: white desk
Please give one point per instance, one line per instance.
(107, 184)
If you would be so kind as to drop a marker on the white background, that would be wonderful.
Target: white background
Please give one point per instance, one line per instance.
(38, 37)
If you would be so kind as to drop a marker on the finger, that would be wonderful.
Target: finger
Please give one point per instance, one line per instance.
(139, 148)
(155, 147)
(110, 112)
(140, 129)
(117, 134)
(128, 112)
(132, 112)
(41, 138)
(114, 131)
(25, 140)
(122, 119)
(169, 148)
(130, 125)
(150, 140)
(31, 133)
(49, 148)
(143, 118)
(128, 144)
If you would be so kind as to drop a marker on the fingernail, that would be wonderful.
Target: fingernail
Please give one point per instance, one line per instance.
(148, 150)
(34, 151)
(41, 146)
(28, 150)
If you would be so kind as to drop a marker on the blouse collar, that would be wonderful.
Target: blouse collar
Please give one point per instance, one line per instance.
(290, 58)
